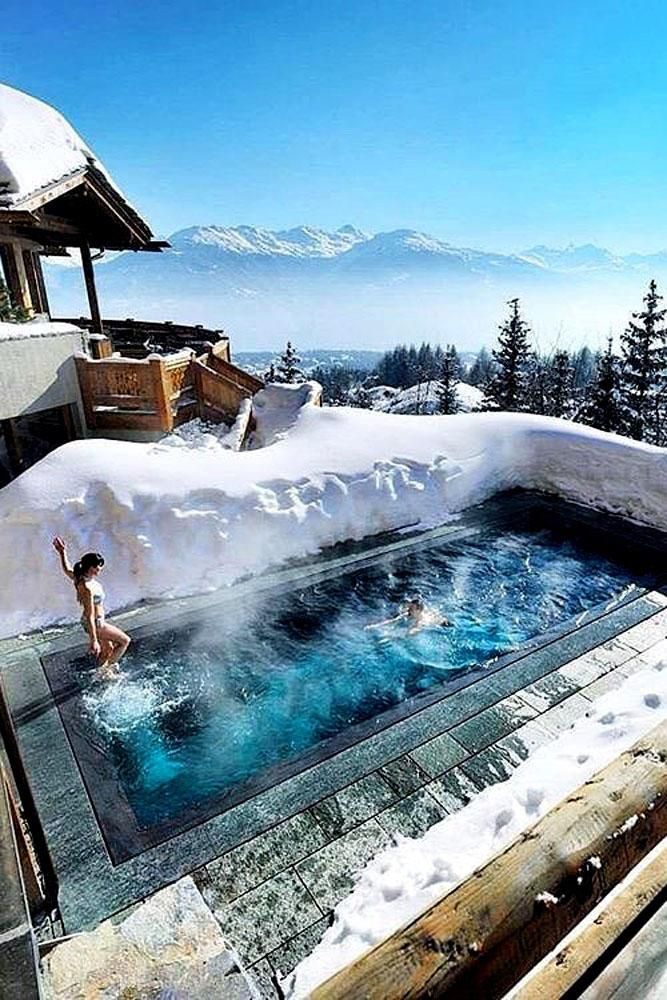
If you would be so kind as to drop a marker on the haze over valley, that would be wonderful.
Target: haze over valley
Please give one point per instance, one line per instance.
(349, 288)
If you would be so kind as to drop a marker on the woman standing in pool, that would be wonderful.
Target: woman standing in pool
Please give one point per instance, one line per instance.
(107, 642)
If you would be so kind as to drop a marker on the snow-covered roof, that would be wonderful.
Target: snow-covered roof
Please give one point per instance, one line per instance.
(38, 148)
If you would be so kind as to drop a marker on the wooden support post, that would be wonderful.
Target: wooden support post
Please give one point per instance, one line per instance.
(162, 393)
(11, 255)
(82, 371)
(91, 291)
(41, 285)
(100, 347)
(483, 937)
(36, 287)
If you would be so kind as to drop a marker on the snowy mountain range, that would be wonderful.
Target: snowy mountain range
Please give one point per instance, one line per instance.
(353, 288)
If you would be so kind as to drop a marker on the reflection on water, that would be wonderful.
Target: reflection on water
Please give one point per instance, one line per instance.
(198, 711)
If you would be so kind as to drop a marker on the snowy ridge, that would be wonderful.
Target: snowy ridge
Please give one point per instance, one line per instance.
(181, 527)
(37, 147)
(303, 241)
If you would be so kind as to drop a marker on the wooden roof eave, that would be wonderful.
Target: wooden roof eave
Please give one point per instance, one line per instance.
(27, 216)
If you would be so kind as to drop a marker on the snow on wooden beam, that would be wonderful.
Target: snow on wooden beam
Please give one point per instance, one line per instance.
(486, 934)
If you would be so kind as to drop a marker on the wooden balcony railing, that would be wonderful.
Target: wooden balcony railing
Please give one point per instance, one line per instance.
(135, 338)
(159, 393)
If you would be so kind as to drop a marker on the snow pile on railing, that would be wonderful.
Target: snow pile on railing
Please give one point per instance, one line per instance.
(174, 522)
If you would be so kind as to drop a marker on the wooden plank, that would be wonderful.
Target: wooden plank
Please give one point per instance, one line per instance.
(572, 962)
(162, 392)
(125, 402)
(91, 291)
(487, 933)
(128, 421)
(83, 368)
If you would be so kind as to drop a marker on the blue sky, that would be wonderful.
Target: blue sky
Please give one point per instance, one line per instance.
(492, 124)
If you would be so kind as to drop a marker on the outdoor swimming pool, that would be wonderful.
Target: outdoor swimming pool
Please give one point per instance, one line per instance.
(209, 713)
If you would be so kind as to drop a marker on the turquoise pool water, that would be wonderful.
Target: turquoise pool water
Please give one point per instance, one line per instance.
(201, 710)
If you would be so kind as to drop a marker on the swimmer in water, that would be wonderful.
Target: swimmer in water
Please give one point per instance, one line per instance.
(417, 615)
(107, 642)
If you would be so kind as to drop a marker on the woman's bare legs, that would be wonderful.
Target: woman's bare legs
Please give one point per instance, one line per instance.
(114, 643)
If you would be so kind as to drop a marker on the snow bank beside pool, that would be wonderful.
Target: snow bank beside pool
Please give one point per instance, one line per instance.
(403, 881)
(175, 521)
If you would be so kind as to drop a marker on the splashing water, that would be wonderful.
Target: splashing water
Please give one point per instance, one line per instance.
(201, 710)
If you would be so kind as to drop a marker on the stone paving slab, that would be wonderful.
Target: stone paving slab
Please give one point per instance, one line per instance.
(493, 723)
(263, 918)
(412, 816)
(258, 859)
(331, 872)
(439, 754)
(169, 946)
(348, 808)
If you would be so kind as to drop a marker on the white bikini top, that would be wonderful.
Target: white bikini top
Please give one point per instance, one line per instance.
(96, 589)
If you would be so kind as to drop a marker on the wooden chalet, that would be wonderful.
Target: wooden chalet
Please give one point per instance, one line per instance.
(56, 195)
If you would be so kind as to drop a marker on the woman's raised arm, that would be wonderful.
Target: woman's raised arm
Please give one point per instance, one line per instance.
(60, 547)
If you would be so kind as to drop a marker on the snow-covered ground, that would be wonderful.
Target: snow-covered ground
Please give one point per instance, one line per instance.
(423, 398)
(173, 527)
(404, 880)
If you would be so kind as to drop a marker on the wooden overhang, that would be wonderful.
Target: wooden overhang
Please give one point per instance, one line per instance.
(81, 209)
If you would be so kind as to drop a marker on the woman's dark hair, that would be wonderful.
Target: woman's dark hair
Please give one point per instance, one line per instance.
(86, 562)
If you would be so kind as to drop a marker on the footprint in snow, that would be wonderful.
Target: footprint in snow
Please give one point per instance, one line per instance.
(652, 700)
(582, 758)
(607, 719)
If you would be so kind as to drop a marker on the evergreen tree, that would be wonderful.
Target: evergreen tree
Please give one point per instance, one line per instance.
(603, 408)
(560, 385)
(288, 366)
(507, 389)
(449, 377)
(643, 371)
(8, 312)
(481, 369)
(537, 393)
(583, 369)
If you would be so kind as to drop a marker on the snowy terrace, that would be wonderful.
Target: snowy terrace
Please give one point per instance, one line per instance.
(187, 516)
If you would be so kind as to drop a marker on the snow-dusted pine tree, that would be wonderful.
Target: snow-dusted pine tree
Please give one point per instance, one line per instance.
(449, 375)
(537, 393)
(507, 389)
(643, 381)
(287, 369)
(560, 385)
(603, 408)
(481, 369)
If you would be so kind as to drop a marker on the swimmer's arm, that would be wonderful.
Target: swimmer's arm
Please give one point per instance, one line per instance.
(387, 621)
(89, 615)
(61, 549)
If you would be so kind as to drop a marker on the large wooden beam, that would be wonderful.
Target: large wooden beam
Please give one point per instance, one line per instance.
(576, 963)
(13, 264)
(91, 291)
(483, 937)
